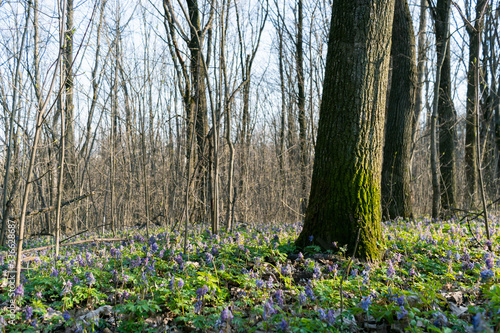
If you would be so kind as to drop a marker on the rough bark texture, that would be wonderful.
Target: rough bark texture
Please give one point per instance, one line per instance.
(396, 190)
(301, 100)
(446, 112)
(70, 219)
(345, 190)
(198, 103)
(470, 123)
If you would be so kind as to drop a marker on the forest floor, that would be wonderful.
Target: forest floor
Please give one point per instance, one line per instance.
(435, 277)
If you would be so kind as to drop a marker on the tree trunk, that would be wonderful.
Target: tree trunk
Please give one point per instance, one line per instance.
(446, 113)
(470, 121)
(422, 57)
(283, 152)
(69, 137)
(6, 205)
(345, 189)
(396, 190)
(198, 101)
(301, 100)
(28, 182)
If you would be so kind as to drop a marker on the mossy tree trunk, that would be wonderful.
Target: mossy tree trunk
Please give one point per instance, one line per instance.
(345, 189)
(396, 190)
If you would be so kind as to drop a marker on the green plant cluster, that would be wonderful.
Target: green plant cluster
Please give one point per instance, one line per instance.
(436, 276)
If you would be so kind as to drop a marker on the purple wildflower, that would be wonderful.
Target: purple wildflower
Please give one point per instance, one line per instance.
(209, 258)
(19, 291)
(197, 306)
(180, 283)
(486, 275)
(467, 266)
(489, 262)
(440, 320)
(278, 295)
(67, 287)
(28, 312)
(333, 269)
(390, 270)
(201, 292)
(154, 247)
(287, 270)
(331, 317)
(365, 303)
(269, 309)
(270, 282)
(66, 316)
(90, 278)
(403, 313)
(171, 284)
(284, 325)
(259, 283)
(311, 238)
(366, 276)
(54, 272)
(316, 273)
(309, 292)
(226, 315)
(321, 314)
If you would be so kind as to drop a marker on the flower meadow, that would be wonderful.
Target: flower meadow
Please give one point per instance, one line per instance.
(435, 276)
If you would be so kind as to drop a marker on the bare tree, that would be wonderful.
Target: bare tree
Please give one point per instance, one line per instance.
(40, 117)
(471, 135)
(7, 198)
(396, 191)
(446, 111)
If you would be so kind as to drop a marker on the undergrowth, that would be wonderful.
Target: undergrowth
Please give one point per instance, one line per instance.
(435, 277)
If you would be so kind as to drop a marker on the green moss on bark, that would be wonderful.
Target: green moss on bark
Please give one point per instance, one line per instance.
(345, 187)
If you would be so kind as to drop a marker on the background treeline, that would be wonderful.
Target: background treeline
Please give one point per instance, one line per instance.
(206, 111)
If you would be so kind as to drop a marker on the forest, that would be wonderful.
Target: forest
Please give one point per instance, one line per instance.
(250, 166)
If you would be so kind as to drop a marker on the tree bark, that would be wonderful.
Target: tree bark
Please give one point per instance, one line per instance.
(6, 205)
(446, 112)
(301, 101)
(471, 175)
(396, 189)
(28, 182)
(69, 184)
(198, 101)
(422, 57)
(345, 190)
